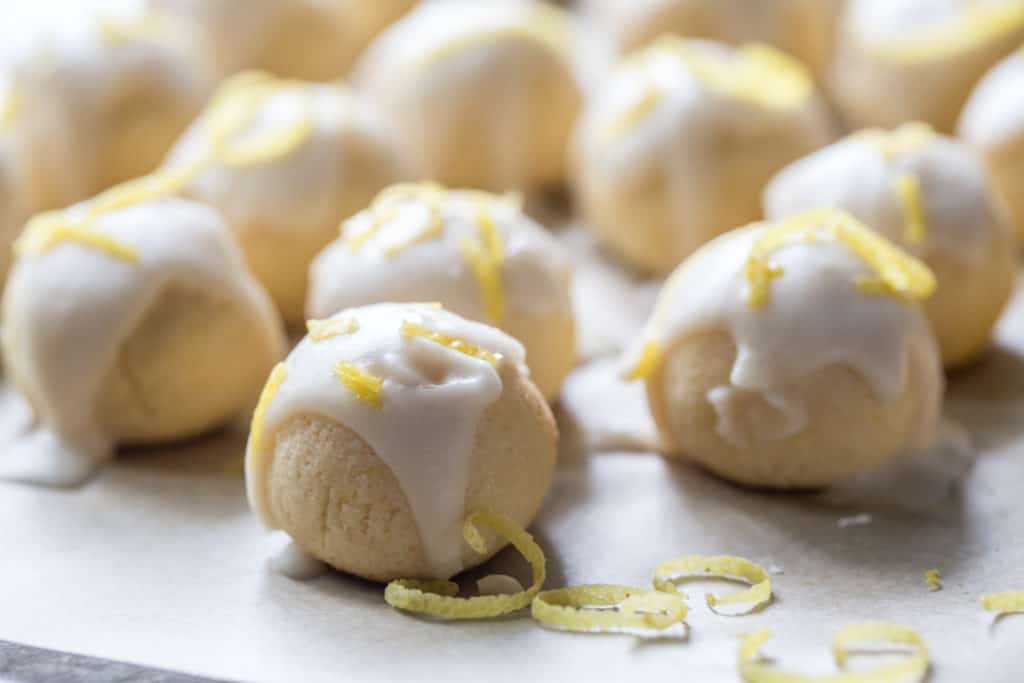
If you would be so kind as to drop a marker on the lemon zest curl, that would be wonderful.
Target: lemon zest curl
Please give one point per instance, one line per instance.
(1010, 602)
(603, 608)
(668, 573)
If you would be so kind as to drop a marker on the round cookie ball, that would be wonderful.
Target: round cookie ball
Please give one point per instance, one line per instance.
(801, 28)
(928, 194)
(792, 355)
(993, 123)
(102, 105)
(482, 94)
(286, 162)
(13, 192)
(917, 60)
(478, 254)
(387, 426)
(306, 39)
(679, 143)
(132, 319)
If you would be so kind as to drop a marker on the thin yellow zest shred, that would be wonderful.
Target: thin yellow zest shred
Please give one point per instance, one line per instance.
(9, 109)
(934, 580)
(158, 185)
(912, 669)
(908, 189)
(365, 386)
(486, 257)
(50, 229)
(667, 574)
(277, 376)
(905, 139)
(602, 608)
(384, 208)
(545, 25)
(1004, 603)
(439, 598)
(896, 273)
(321, 330)
(629, 117)
(978, 24)
(454, 343)
(650, 359)
(756, 73)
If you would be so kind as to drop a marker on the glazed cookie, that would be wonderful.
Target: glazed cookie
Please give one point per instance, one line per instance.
(917, 60)
(476, 253)
(738, 380)
(993, 123)
(131, 319)
(482, 94)
(286, 162)
(103, 105)
(801, 28)
(929, 194)
(680, 142)
(388, 425)
(13, 192)
(307, 39)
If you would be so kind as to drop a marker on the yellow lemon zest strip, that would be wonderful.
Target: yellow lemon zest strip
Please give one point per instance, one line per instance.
(365, 386)
(1003, 603)
(978, 24)
(320, 330)
(753, 669)
(120, 29)
(905, 139)
(50, 229)
(696, 566)
(9, 110)
(896, 273)
(486, 258)
(438, 598)
(277, 376)
(755, 73)
(634, 113)
(454, 343)
(647, 363)
(545, 25)
(383, 208)
(579, 608)
(934, 579)
(908, 188)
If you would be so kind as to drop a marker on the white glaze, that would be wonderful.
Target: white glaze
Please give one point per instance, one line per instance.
(432, 401)
(816, 316)
(69, 309)
(535, 269)
(891, 22)
(855, 175)
(994, 114)
(288, 559)
(304, 188)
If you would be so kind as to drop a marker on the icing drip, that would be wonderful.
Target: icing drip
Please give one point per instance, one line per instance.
(434, 376)
(816, 278)
(93, 272)
(473, 251)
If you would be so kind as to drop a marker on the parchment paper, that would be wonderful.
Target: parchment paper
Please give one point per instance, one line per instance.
(158, 560)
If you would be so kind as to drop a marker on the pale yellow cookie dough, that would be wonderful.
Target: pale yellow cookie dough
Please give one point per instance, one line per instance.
(483, 95)
(396, 511)
(314, 40)
(678, 144)
(929, 194)
(102, 105)
(918, 60)
(286, 162)
(739, 382)
(477, 254)
(993, 123)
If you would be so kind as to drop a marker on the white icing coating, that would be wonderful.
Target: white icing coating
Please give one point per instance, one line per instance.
(303, 188)
(83, 90)
(816, 316)
(431, 400)
(68, 309)
(994, 114)
(858, 176)
(288, 559)
(535, 269)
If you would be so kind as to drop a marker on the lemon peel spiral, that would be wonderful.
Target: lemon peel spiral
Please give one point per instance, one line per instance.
(1009, 602)
(439, 598)
(668, 573)
(604, 608)
(753, 669)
